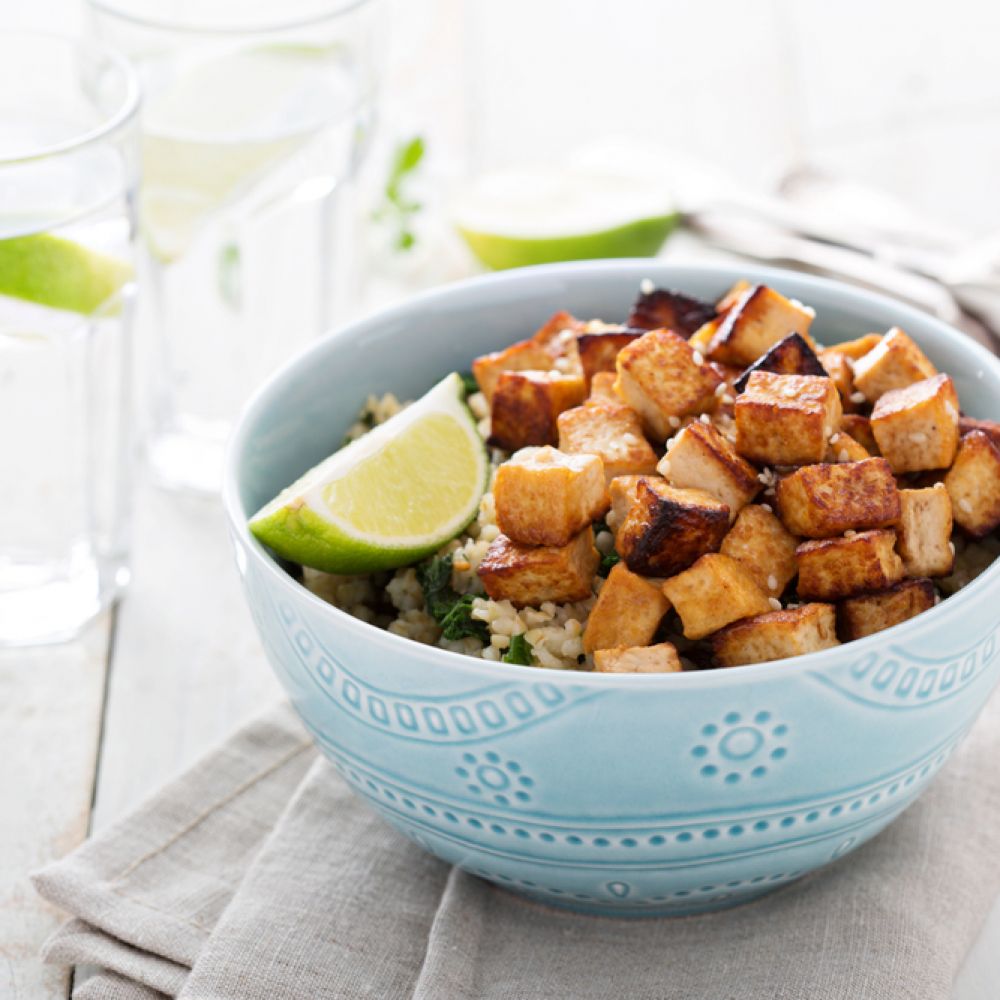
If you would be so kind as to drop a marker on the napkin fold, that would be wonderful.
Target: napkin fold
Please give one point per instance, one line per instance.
(258, 875)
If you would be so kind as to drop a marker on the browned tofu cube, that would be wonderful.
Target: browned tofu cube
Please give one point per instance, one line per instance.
(843, 448)
(855, 349)
(702, 337)
(871, 613)
(598, 351)
(659, 659)
(667, 529)
(612, 431)
(923, 535)
(715, 591)
(989, 427)
(786, 419)
(758, 320)
(818, 501)
(973, 483)
(917, 427)
(532, 574)
(894, 363)
(699, 457)
(832, 568)
(840, 368)
(553, 347)
(732, 296)
(545, 497)
(628, 611)
(776, 635)
(663, 379)
(860, 428)
(791, 355)
(662, 309)
(526, 406)
(602, 388)
(760, 543)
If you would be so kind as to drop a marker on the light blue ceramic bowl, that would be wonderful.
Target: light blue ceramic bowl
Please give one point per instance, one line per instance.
(614, 794)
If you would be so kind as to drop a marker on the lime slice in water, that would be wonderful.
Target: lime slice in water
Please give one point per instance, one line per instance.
(391, 497)
(536, 216)
(59, 273)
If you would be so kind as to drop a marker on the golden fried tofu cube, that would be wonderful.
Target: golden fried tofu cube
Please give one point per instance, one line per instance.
(832, 568)
(715, 591)
(628, 611)
(840, 368)
(819, 501)
(843, 448)
(989, 427)
(732, 296)
(663, 379)
(532, 574)
(700, 457)
(702, 337)
(662, 309)
(871, 613)
(553, 347)
(791, 355)
(923, 535)
(545, 497)
(667, 529)
(612, 431)
(762, 545)
(598, 351)
(894, 363)
(917, 427)
(858, 348)
(602, 388)
(973, 483)
(776, 635)
(659, 659)
(860, 428)
(758, 320)
(622, 490)
(526, 406)
(786, 419)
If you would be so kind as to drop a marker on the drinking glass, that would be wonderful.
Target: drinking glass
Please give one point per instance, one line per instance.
(68, 172)
(256, 113)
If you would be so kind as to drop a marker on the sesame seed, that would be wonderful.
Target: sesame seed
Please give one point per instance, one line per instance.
(857, 397)
(769, 492)
(964, 504)
(918, 437)
(843, 456)
(775, 603)
(850, 533)
(646, 286)
(674, 421)
(705, 418)
(792, 605)
(720, 389)
(772, 582)
(699, 358)
(767, 507)
(727, 398)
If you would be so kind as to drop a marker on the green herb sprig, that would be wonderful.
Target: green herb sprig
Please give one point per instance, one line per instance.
(452, 611)
(397, 207)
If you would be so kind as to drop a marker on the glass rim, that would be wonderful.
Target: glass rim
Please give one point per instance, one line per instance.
(118, 9)
(125, 112)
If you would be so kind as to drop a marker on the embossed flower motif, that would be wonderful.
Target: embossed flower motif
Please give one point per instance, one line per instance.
(490, 776)
(739, 748)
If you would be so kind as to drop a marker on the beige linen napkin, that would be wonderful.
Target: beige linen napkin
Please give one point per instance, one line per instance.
(258, 876)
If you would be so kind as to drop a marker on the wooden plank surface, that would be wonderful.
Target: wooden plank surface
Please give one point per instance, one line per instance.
(50, 715)
(187, 666)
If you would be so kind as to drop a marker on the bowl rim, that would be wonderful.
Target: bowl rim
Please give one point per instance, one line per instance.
(494, 670)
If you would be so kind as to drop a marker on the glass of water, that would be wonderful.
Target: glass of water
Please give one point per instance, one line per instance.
(256, 113)
(68, 173)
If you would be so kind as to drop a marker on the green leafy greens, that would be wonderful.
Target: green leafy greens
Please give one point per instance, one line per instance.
(452, 611)
(519, 651)
(397, 207)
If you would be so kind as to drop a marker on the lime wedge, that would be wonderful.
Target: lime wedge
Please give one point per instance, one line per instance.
(389, 498)
(59, 273)
(520, 217)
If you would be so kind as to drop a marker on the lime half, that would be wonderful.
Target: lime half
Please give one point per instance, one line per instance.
(519, 217)
(59, 273)
(388, 499)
